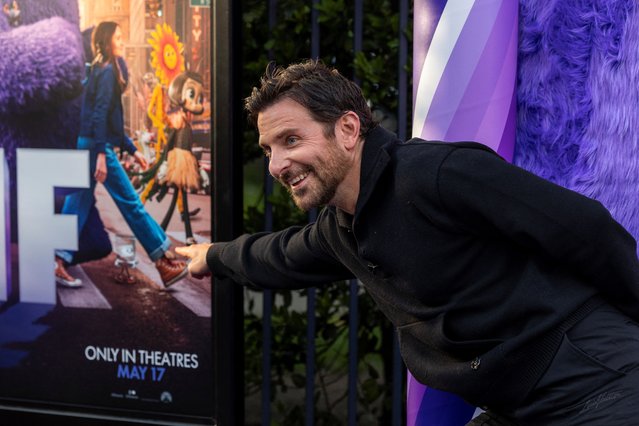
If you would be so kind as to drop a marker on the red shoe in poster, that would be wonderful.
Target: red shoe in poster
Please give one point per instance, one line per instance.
(171, 271)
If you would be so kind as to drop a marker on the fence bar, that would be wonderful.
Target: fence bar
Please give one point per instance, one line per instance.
(226, 210)
(358, 23)
(311, 292)
(267, 346)
(267, 296)
(315, 30)
(401, 71)
(358, 31)
(310, 356)
(398, 384)
(311, 328)
(352, 352)
(402, 119)
(267, 308)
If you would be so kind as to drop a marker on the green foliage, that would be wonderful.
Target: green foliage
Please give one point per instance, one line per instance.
(285, 213)
(289, 40)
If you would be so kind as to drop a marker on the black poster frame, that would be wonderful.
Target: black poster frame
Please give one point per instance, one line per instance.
(226, 223)
(227, 210)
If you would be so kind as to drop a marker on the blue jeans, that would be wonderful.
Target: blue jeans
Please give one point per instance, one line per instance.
(147, 231)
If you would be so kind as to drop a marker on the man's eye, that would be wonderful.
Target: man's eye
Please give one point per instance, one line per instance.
(291, 140)
(267, 153)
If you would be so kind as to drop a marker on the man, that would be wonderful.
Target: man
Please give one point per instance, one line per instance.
(501, 284)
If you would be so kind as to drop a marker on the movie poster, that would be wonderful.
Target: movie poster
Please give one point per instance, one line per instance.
(109, 337)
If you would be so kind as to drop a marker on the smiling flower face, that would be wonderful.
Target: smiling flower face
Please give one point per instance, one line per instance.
(167, 56)
(170, 56)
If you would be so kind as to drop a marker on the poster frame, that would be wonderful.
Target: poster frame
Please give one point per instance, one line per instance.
(226, 219)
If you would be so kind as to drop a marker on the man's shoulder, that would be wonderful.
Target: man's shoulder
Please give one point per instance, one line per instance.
(422, 153)
(419, 162)
(443, 147)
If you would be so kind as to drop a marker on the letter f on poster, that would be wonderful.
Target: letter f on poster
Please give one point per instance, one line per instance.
(40, 230)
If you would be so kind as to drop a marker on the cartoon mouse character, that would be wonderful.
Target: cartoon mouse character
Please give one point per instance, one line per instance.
(182, 171)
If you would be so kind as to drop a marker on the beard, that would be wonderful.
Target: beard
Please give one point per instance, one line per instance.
(324, 178)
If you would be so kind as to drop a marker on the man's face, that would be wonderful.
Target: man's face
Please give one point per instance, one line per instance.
(306, 162)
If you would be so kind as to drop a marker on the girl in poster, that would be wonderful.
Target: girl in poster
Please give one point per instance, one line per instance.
(102, 129)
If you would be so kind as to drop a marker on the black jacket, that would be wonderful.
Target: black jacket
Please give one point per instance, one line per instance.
(480, 265)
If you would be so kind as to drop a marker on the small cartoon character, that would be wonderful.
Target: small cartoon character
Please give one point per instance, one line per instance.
(13, 13)
(182, 170)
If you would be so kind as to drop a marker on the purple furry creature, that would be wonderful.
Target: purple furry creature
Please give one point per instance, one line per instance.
(41, 72)
(41, 69)
(578, 99)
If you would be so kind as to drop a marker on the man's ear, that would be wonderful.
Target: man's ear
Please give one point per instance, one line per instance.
(347, 129)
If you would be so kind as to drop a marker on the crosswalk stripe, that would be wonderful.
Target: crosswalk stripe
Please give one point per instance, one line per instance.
(188, 291)
(194, 294)
(87, 296)
(191, 294)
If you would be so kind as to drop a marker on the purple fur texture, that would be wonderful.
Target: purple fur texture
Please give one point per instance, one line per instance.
(32, 11)
(41, 68)
(43, 65)
(578, 99)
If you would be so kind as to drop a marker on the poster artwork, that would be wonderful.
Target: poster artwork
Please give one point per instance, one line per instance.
(97, 313)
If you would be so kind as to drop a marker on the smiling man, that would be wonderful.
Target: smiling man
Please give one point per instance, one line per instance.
(304, 155)
(518, 295)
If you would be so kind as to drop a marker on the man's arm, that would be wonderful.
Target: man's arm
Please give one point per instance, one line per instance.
(293, 258)
(490, 197)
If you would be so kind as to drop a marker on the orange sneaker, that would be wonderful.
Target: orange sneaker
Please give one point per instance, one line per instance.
(171, 271)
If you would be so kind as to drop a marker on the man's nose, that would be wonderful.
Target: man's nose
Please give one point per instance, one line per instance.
(278, 162)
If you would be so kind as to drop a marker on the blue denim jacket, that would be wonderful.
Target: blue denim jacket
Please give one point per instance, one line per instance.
(102, 117)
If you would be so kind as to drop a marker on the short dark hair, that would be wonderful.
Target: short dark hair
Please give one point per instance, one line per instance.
(323, 91)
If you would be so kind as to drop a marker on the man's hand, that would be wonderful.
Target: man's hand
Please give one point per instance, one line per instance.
(197, 253)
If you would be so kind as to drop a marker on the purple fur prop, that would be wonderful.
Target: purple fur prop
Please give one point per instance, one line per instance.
(578, 99)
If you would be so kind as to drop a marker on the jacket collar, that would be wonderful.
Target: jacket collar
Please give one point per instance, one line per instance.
(375, 158)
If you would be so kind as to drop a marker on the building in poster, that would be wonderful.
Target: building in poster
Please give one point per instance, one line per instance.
(111, 345)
